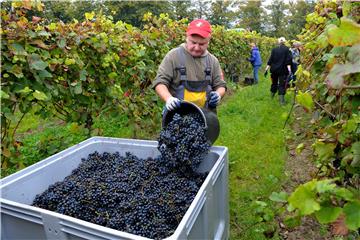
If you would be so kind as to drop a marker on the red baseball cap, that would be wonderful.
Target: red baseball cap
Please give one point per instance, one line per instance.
(200, 27)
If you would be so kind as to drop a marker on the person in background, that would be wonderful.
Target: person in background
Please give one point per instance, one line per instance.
(295, 52)
(255, 60)
(190, 72)
(279, 64)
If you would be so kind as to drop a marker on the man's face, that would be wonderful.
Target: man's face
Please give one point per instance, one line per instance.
(196, 45)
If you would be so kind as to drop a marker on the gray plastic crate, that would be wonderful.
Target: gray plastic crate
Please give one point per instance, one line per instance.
(206, 218)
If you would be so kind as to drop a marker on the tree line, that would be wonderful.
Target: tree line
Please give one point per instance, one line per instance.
(276, 18)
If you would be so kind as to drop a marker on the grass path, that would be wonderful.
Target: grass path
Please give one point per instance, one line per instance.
(252, 129)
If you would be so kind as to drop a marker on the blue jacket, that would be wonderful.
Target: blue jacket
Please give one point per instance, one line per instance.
(255, 58)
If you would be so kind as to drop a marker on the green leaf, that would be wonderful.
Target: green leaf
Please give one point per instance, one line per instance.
(39, 95)
(83, 74)
(322, 40)
(4, 95)
(61, 43)
(326, 185)
(44, 74)
(335, 79)
(43, 33)
(328, 214)
(78, 88)
(17, 71)
(25, 90)
(352, 215)
(69, 61)
(347, 34)
(324, 150)
(355, 148)
(19, 49)
(305, 100)
(350, 126)
(344, 193)
(354, 53)
(112, 75)
(279, 197)
(299, 148)
(36, 63)
(346, 8)
(292, 221)
(304, 198)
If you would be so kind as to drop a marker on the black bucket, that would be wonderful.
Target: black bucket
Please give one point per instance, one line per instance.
(210, 119)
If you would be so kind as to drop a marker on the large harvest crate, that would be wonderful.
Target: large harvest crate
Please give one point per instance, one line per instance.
(206, 218)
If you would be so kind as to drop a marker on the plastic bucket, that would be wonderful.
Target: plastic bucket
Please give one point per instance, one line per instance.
(210, 119)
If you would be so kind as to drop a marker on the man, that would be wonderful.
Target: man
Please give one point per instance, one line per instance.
(189, 72)
(280, 68)
(255, 60)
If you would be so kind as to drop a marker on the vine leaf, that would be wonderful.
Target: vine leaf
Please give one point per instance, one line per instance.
(304, 198)
(18, 49)
(4, 95)
(354, 53)
(325, 185)
(355, 148)
(305, 100)
(36, 63)
(328, 214)
(352, 213)
(347, 34)
(335, 79)
(324, 150)
(279, 197)
(39, 95)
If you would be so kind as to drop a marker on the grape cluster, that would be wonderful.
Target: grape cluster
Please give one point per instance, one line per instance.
(183, 143)
(126, 193)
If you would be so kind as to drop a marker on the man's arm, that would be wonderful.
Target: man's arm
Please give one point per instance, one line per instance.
(221, 91)
(163, 92)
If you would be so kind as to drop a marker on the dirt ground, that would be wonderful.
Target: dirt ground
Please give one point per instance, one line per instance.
(301, 169)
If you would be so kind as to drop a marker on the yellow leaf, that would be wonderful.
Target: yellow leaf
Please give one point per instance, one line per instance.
(6, 152)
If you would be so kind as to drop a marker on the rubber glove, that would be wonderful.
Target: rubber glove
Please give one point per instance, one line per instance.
(214, 99)
(266, 73)
(172, 103)
(290, 76)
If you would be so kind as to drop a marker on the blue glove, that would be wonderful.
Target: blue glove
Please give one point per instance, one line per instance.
(214, 99)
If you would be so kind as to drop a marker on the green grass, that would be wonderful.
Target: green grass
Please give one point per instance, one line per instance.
(252, 129)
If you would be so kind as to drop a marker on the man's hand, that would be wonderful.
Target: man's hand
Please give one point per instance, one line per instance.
(290, 76)
(266, 73)
(214, 99)
(172, 103)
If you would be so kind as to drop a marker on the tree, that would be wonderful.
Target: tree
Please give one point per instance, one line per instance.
(132, 12)
(201, 9)
(298, 9)
(182, 9)
(277, 18)
(251, 16)
(221, 13)
(66, 11)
